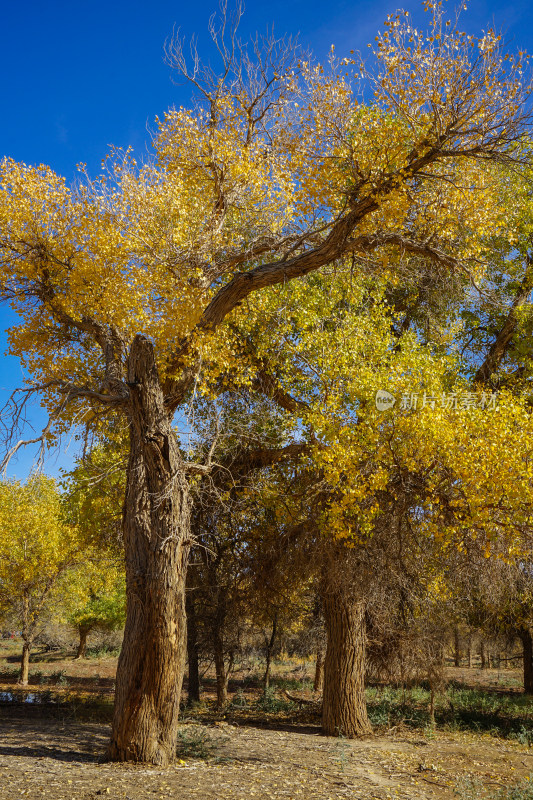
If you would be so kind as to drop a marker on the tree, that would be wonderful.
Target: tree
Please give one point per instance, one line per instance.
(247, 438)
(37, 548)
(127, 286)
(495, 595)
(93, 494)
(102, 605)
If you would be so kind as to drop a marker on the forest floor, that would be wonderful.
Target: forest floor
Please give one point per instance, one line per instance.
(53, 736)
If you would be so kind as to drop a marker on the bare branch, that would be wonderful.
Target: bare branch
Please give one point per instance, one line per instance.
(505, 335)
(41, 440)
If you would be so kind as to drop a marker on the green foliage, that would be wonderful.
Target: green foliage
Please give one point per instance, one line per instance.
(271, 703)
(106, 605)
(506, 716)
(197, 742)
(472, 789)
(239, 699)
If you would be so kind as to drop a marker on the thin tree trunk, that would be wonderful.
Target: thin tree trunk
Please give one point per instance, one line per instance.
(193, 681)
(26, 647)
(432, 705)
(25, 664)
(456, 647)
(527, 659)
(318, 683)
(344, 704)
(220, 670)
(83, 632)
(482, 655)
(156, 540)
(269, 646)
(219, 620)
(469, 651)
(318, 617)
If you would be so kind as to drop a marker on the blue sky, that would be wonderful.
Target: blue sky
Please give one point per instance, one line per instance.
(77, 77)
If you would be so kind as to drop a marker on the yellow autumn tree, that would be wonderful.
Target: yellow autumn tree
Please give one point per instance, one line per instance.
(37, 548)
(126, 286)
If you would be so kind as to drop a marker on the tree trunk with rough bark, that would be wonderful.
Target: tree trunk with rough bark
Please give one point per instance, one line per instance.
(527, 658)
(193, 678)
(83, 632)
(156, 528)
(344, 704)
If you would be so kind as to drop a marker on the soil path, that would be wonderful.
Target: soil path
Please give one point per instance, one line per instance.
(41, 758)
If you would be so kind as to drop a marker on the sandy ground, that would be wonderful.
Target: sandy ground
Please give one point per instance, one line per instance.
(58, 759)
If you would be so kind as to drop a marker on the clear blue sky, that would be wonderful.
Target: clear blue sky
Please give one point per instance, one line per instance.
(78, 76)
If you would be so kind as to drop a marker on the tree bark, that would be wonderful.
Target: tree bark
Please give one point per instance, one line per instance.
(318, 683)
(456, 647)
(527, 658)
(83, 631)
(268, 653)
(218, 593)
(344, 704)
(156, 526)
(482, 655)
(220, 669)
(25, 664)
(193, 678)
(27, 640)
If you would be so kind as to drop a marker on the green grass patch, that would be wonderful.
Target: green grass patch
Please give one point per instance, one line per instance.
(508, 716)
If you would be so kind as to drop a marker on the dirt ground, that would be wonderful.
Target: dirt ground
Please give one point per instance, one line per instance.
(40, 758)
(48, 751)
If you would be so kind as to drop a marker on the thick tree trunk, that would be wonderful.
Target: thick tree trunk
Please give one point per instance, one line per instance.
(156, 541)
(193, 678)
(344, 704)
(83, 632)
(527, 658)
(268, 652)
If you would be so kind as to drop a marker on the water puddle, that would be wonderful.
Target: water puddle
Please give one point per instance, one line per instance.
(20, 697)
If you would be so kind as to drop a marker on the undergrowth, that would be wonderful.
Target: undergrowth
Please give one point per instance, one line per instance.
(473, 789)
(457, 709)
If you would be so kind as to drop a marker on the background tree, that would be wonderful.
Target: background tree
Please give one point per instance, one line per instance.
(37, 547)
(99, 602)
